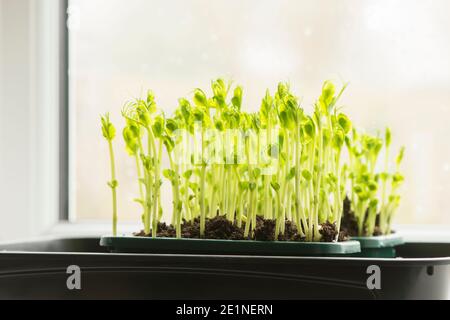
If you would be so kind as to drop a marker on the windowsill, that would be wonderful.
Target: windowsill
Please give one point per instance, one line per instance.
(90, 229)
(411, 233)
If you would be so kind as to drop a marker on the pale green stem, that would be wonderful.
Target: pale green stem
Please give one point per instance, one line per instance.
(202, 192)
(113, 187)
(139, 174)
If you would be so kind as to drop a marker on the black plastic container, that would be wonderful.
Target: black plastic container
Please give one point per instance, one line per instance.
(38, 270)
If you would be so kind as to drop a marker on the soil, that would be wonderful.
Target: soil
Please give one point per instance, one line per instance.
(221, 228)
(329, 232)
(265, 231)
(164, 230)
(349, 224)
(216, 228)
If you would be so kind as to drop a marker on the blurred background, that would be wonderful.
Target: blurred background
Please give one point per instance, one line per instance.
(395, 55)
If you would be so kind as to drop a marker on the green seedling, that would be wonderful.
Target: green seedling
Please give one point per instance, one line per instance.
(109, 133)
(279, 163)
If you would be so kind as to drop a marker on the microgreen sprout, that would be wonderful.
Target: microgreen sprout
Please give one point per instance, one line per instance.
(279, 164)
(141, 118)
(109, 133)
(367, 200)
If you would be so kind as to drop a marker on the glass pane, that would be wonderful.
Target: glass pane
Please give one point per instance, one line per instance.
(394, 55)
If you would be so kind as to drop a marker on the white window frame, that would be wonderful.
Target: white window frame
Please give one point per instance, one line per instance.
(30, 80)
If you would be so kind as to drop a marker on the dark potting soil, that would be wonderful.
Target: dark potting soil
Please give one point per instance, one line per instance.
(265, 231)
(329, 232)
(217, 228)
(349, 223)
(220, 227)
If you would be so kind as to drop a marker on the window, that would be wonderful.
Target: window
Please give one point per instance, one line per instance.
(394, 56)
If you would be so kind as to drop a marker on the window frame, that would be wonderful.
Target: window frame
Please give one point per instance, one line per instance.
(63, 144)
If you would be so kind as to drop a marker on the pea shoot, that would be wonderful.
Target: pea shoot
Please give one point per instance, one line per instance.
(279, 164)
(109, 133)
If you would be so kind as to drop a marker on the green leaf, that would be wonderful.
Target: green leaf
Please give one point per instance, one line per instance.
(344, 122)
(219, 125)
(372, 186)
(193, 186)
(373, 203)
(150, 97)
(398, 178)
(198, 115)
(143, 114)
(394, 198)
(147, 162)
(200, 98)
(291, 173)
(387, 137)
(108, 129)
(237, 98)
(256, 173)
(169, 143)
(338, 139)
(169, 174)
(275, 185)
(306, 174)
(187, 174)
(185, 109)
(158, 126)
(283, 90)
(113, 184)
(328, 91)
(384, 176)
(308, 129)
(244, 185)
(266, 107)
(171, 125)
(131, 140)
(400, 155)
(220, 92)
(358, 189)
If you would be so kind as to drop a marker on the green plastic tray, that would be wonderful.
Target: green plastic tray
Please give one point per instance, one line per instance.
(379, 246)
(388, 241)
(132, 244)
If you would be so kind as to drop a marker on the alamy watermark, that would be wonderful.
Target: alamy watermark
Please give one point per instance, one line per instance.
(374, 280)
(73, 281)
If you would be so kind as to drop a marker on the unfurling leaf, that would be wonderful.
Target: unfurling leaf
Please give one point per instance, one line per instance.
(344, 122)
(169, 174)
(108, 129)
(387, 137)
(275, 185)
(237, 98)
(113, 184)
(328, 91)
(400, 155)
(306, 174)
(200, 98)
